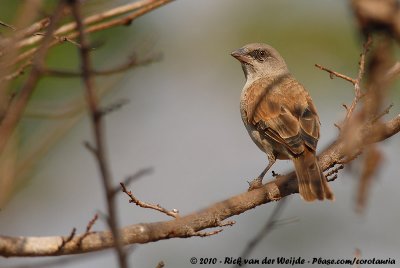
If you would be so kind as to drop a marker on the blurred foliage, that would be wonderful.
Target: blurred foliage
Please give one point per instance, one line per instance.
(58, 103)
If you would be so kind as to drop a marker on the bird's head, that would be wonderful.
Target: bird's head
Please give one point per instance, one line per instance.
(260, 61)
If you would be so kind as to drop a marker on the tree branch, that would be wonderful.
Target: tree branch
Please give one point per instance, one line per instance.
(144, 7)
(97, 124)
(191, 224)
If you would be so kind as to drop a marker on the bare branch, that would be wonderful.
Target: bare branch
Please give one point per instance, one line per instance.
(357, 88)
(19, 34)
(131, 63)
(356, 82)
(382, 114)
(172, 213)
(333, 73)
(7, 25)
(140, 173)
(89, 228)
(96, 18)
(207, 218)
(20, 71)
(144, 7)
(97, 124)
(67, 239)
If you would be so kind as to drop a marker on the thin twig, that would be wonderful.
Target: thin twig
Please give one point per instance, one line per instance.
(356, 82)
(30, 30)
(357, 87)
(20, 71)
(69, 27)
(140, 173)
(61, 39)
(333, 73)
(149, 6)
(172, 213)
(7, 25)
(68, 239)
(383, 113)
(131, 63)
(113, 107)
(97, 124)
(88, 228)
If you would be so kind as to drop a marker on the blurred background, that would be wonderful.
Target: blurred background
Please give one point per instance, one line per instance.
(183, 120)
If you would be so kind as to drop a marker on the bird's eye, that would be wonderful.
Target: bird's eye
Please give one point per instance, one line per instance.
(261, 55)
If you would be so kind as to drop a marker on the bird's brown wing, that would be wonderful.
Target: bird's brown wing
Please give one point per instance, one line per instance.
(309, 124)
(284, 112)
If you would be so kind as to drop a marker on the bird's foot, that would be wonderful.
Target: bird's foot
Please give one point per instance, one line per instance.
(275, 175)
(255, 184)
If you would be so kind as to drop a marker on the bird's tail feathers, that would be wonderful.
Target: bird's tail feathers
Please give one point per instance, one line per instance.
(311, 180)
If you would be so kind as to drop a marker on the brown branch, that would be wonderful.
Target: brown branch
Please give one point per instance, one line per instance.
(68, 239)
(145, 7)
(89, 228)
(140, 173)
(209, 217)
(61, 39)
(128, 19)
(383, 113)
(20, 34)
(7, 25)
(356, 82)
(131, 63)
(97, 125)
(357, 87)
(113, 107)
(172, 213)
(20, 71)
(333, 73)
(69, 27)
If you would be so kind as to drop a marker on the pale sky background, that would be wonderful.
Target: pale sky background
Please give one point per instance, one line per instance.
(183, 120)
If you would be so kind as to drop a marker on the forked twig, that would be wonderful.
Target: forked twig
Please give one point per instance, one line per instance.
(172, 213)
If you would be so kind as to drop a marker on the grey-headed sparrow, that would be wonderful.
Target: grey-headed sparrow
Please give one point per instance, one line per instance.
(281, 118)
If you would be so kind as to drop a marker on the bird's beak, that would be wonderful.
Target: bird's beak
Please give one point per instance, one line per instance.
(241, 55)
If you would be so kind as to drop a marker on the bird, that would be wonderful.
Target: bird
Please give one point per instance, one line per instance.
(281, 118)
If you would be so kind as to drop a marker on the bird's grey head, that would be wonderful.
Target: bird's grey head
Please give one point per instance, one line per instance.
(260, 61)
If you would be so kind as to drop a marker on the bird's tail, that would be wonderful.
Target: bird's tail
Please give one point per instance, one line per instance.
(311, 180)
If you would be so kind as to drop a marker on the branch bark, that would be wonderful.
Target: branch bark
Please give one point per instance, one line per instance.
(191, 224)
